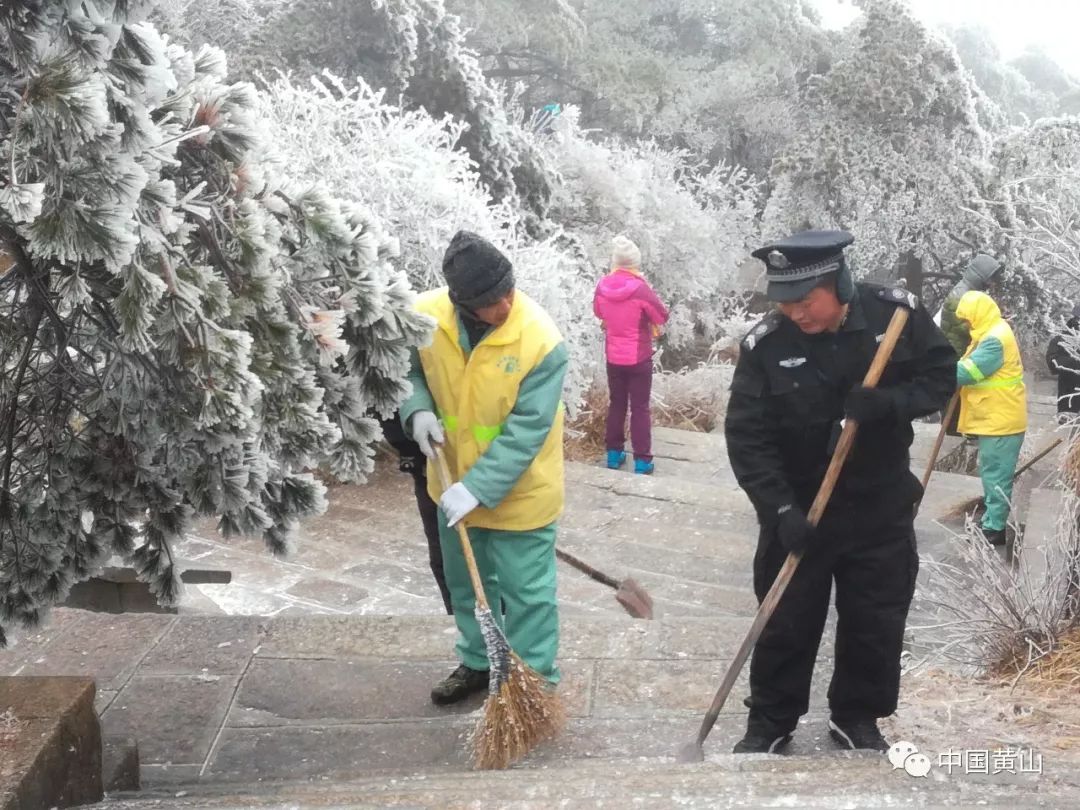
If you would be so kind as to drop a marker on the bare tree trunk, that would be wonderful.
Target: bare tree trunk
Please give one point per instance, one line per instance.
(911, 271)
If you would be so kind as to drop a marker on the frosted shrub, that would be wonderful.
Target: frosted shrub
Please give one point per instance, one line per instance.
(693, 230)
(403, 165)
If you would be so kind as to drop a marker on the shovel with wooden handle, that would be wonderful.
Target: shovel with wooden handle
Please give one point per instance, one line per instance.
(694, 751)
(634, 599)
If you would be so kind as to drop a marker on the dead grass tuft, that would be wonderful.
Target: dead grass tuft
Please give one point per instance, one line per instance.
(1058, 668)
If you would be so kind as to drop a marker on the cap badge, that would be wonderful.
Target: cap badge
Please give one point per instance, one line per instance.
(778, 260)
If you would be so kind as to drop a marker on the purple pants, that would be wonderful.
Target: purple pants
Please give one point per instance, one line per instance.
(630, 385)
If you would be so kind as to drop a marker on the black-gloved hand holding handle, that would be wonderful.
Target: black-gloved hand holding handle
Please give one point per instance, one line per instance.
(796, 533)
(869, 404)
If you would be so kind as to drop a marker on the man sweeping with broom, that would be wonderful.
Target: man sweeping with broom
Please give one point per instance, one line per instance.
(798, 376)
(487, 398)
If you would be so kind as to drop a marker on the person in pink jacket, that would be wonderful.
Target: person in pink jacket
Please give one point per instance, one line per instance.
(631, 315)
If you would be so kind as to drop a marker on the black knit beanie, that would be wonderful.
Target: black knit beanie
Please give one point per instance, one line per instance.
(476, 272)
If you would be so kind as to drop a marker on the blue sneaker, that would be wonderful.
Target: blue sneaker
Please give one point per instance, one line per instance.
(615, 459)
(643, 467)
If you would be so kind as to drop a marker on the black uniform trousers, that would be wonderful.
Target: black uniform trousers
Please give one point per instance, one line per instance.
(412, 461)
(871, 555)
(429, 516)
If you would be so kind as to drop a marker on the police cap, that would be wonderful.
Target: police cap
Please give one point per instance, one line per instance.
(795, 265)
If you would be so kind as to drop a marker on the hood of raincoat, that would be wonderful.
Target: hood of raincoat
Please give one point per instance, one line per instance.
(979, 310)
(620, 284)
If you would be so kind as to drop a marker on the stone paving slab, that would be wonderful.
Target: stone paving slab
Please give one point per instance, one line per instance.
(338, 752)
(721, 562)
(712, 472)
(672, 491)
(926, 434)
(285, 692)
(648, 689)
(723, 599)
(196, 645)
(174, 718)
(339, 594)
(375, 637)
(624, 522)
(688, 438)
(107, 647)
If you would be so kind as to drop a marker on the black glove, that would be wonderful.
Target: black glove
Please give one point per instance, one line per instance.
(869, 404)
(796, 533)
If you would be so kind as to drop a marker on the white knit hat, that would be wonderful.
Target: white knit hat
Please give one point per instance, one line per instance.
(624, 253)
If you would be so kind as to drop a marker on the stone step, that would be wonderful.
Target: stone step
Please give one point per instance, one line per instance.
(922, 445)
(842, 780)
(234, 699)
(689, 445)
(680, 491)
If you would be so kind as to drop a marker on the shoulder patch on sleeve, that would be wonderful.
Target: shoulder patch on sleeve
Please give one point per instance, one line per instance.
(762, 328)
(899, 296)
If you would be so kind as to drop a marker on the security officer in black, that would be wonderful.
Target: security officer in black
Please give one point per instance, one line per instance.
(799, 375)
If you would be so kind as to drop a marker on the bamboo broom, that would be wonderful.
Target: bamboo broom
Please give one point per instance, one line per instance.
(522, 709)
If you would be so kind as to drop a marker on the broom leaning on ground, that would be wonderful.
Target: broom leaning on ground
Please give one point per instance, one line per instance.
(973, 504)
(522, 709)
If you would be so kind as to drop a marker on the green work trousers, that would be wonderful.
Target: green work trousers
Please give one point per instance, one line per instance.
(997, 465)
(518, 572)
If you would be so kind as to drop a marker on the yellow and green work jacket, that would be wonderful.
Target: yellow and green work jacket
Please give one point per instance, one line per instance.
(500, 403)
(993, 400)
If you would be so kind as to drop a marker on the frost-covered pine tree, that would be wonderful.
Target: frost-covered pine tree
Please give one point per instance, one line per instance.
(895, 148)
(183, 332)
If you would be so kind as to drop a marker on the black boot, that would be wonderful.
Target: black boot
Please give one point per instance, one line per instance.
(995, 537)
(857, 734)
(762, 737)
(458, 685)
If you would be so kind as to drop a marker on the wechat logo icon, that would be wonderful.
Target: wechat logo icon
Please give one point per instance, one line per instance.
(904, 755)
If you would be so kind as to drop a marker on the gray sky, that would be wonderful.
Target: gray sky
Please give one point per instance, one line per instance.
(1015, 24)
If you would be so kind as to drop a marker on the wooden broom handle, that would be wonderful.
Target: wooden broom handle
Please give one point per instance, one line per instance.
(463, 533)
(847, 435)
(1031, 462)
(946, 419)
(772, 598)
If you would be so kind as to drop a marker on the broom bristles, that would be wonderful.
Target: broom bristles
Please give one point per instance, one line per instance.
(963, 508)
(522, 708)
(520, 712)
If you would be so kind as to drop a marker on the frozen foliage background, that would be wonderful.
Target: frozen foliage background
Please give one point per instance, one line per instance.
(212, 225)
(886, 128)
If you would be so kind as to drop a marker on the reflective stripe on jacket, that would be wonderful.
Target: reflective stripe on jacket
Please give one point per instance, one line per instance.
(993, 399)
(475, 394)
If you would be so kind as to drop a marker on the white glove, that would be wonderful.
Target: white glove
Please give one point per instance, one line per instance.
(457, 502)
(426, 431)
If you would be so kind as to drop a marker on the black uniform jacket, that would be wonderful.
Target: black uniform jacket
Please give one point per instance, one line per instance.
(1067, 368)
(787, 400)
